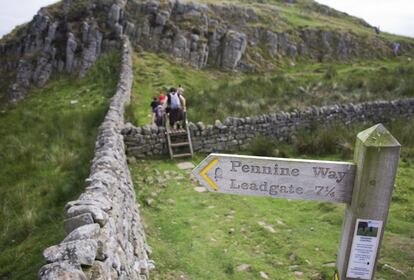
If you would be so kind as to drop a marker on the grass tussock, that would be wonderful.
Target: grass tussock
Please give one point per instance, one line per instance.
(46, 145)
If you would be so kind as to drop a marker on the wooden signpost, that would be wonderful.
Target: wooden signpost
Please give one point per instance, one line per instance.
(365, 186)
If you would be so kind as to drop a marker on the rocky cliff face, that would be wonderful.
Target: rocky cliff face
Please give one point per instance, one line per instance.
(234, 37)
(66, 37)
(70, 35)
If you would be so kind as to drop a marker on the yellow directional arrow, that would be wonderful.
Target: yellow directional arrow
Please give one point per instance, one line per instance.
(203, 174)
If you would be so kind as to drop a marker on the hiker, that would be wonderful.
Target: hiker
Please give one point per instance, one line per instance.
(175, 106)
(158, 116)
(396, 48)
(161, 98)
(377, 30)
(154, 103)
(180, 89)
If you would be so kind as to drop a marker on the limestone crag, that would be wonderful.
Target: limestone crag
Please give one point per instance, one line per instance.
(235, 134)
(105, 236)
(68, 37)
(233, 37)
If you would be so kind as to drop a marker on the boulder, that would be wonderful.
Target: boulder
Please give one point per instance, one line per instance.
(114, 14)
(234, 46)
(162, 18)
(81, 252)
(50, 37)
(78, 221)
(21, 87)
(99, 216)
(61, 270)
(24, 73)
(180, 48)
(84, 232)
(71, 46)
(43, 71)
(100, 271)
(92, 51)
(272, 41)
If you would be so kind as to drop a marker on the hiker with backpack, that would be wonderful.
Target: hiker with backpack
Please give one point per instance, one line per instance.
(159, 112)
(175, 106)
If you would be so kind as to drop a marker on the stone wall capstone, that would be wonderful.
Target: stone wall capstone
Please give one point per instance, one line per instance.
(105, 236)
(236, 133)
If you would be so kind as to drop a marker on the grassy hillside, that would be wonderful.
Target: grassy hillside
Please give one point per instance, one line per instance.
(209, 236)
(281, 16)
(46, 145)
(287, 88)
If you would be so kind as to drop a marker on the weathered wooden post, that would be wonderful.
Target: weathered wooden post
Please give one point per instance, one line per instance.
(376, 157)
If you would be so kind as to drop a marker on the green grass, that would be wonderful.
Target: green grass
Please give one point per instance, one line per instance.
(207, 236)
(212, 94)
(46, 146)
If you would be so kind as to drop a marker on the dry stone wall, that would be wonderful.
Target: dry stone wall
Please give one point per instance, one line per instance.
(105, 236)
(236, 133)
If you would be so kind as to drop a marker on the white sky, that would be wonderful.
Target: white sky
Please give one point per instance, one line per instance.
(395, 16)
(15, 12)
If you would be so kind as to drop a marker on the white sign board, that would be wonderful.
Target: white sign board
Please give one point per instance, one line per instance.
(364, 249)
(277, 177)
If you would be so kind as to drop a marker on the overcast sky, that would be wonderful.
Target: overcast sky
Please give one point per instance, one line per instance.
(15, 12)
(395, 16)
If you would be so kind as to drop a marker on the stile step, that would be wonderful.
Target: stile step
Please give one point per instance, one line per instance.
(181, 144)
(182, 155)
(173, 132)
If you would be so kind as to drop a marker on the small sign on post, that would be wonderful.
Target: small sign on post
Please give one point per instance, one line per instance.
(364, 249)
(365, 186)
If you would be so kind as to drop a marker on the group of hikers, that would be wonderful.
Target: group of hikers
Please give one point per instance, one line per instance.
(171, 105)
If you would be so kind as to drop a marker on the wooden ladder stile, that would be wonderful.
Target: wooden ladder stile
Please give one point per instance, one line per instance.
(180, 133)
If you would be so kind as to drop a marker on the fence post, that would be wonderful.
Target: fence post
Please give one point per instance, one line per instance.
(376, 156)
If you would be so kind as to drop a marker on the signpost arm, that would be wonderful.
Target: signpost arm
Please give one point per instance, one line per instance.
(376, 155)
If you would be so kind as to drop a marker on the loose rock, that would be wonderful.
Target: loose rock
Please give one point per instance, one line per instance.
(264, 275)
(185, 165)
(200, 189)
(244, 267)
